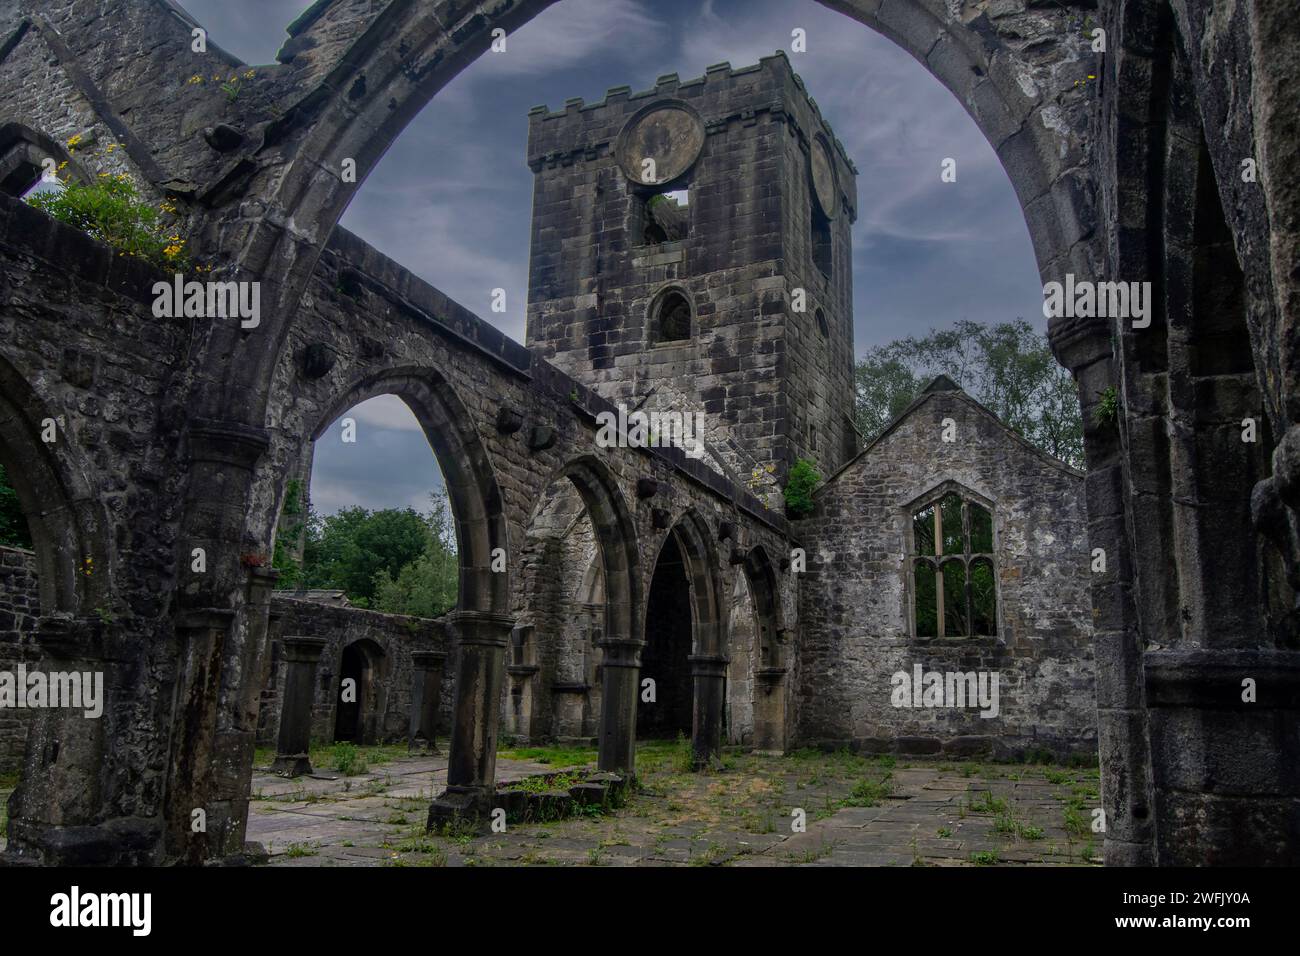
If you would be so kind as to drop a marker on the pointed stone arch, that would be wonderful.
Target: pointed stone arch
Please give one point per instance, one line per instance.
(621, 642)
(770, 665)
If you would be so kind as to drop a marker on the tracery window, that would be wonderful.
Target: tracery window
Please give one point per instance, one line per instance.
(954, 592)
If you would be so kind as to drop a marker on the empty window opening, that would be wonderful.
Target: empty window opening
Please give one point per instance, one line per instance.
(671, 321)
(665, 217)
(822, 327)
(822, 244)
(954, 589)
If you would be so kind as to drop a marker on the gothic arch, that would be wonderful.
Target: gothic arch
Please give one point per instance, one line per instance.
(22, 153)
(361, 102)
(62, 511)
(618, 552)
(476, 502)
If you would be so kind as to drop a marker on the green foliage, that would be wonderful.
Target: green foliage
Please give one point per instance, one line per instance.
(111, 210)
(869, 793)
(1107, 410)
(13, 525)
(1007, 367)
(799, 488)
(348, 760)
(397, 561)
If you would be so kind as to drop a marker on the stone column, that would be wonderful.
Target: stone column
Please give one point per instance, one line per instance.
(710, 673)
(620, 684)
(236, 731)
(481, 638)
(426, 699)
(201, 643)
(769, 710)
(301, 654)
(1084, 347)
(64, 811)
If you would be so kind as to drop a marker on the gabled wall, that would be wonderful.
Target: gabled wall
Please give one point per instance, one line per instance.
(854, 598)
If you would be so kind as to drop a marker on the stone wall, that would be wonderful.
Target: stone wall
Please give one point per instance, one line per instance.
(855, 598)
(394, 636)
(20, 606)
(775, 380)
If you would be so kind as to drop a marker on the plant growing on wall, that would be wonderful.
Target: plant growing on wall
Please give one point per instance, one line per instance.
(799, 488)
(1108, 406)
(112, 210)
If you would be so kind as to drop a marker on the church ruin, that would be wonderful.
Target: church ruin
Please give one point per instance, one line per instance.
(690, 252)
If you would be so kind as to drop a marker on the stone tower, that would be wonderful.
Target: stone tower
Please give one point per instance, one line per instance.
(691, 251)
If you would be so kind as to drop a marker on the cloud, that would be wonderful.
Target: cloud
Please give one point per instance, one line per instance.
(452, 199)
(571, 33)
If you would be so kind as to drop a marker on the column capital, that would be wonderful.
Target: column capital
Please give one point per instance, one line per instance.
(428, 660)
(709, 665)
(485, 628)
(620, 652)
(232, 443)
(303, 649)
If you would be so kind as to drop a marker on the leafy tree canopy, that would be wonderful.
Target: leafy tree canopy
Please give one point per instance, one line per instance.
(1007, 367)
(399, 561)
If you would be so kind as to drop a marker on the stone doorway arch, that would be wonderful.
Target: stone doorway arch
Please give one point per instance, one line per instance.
(689, 560)
(357, 720)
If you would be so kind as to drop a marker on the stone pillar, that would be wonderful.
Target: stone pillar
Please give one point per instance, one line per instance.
(710, 673)
(201, 644)
(769, 710)
(72, 806)
(620, 685)
(1084, 347)
(426, 699)
(481, 639)
(236, 731)
(301, 655)
(213, 664)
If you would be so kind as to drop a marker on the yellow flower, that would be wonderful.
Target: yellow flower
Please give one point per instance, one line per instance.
(194, 79)
(249, 75)
(63, 165)
(74, 141)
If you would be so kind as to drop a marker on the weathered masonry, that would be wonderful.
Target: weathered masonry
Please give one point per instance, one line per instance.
(1174, 166)
(957, 556)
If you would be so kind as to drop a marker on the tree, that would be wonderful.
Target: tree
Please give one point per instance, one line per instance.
(355, 545)
(1007, 367)
(427, 587)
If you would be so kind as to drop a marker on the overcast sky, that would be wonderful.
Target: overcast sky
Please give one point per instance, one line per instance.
(451, 200)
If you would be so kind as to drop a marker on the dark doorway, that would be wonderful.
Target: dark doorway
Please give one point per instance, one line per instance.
(348, 722)
(667, 649)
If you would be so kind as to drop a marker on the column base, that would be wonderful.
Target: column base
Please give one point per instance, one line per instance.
(292, 765)
(120, 842)
(454, 806)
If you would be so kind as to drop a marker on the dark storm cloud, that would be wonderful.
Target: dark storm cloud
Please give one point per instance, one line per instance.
(451, 199)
